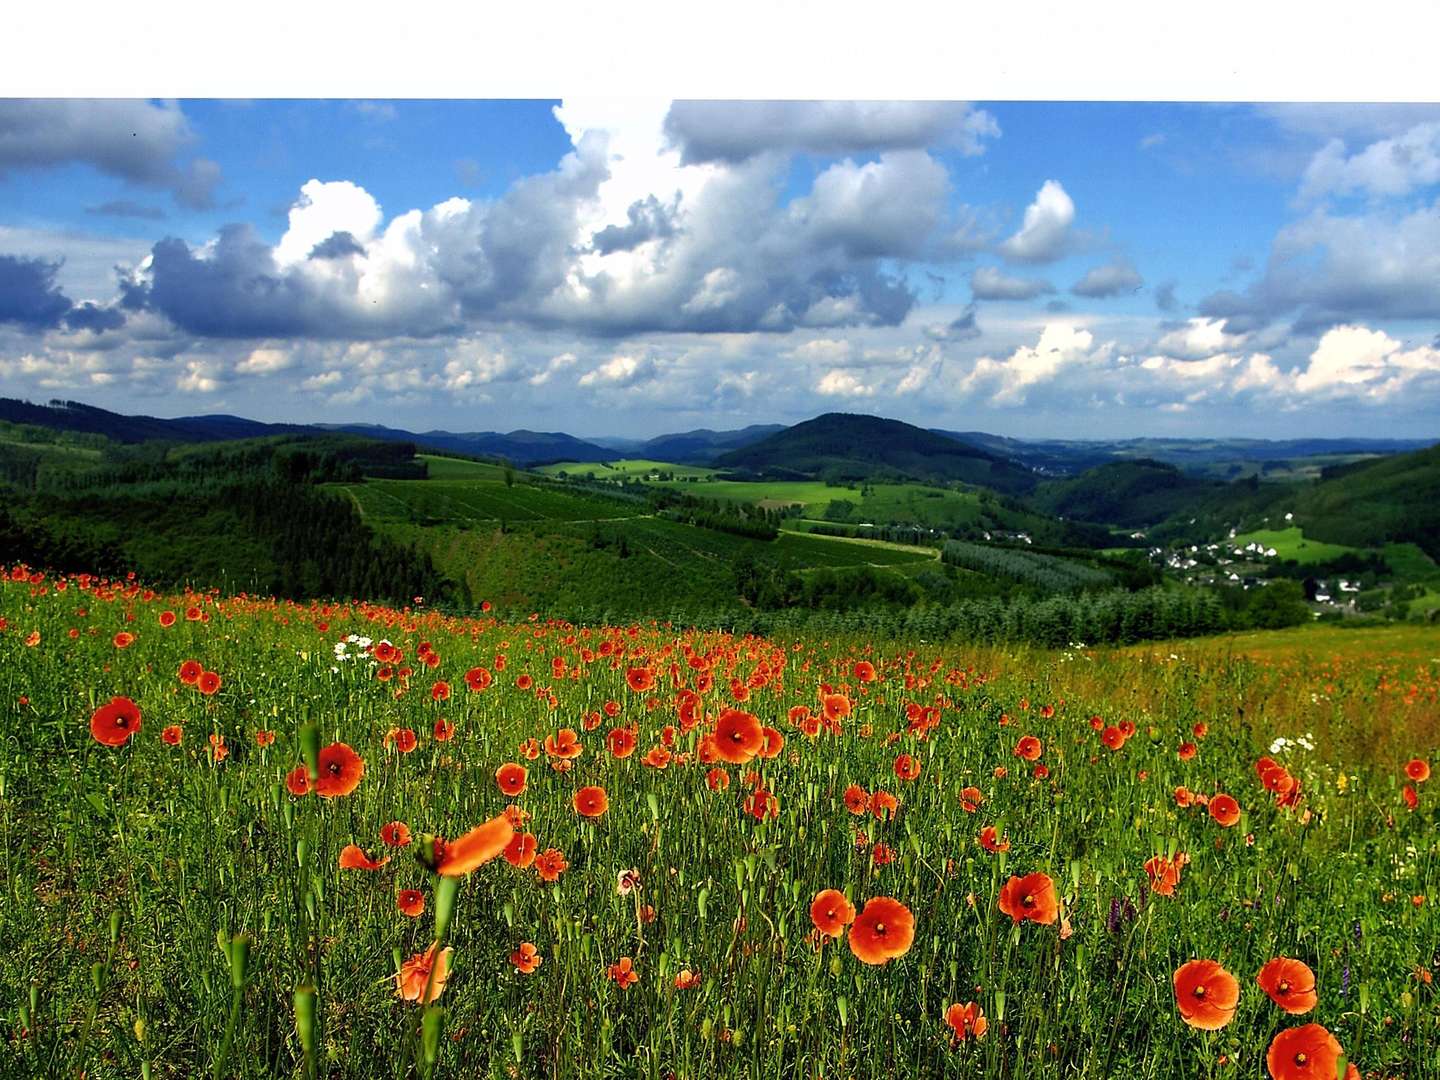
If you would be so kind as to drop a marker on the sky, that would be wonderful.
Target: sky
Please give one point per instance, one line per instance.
(629, 267)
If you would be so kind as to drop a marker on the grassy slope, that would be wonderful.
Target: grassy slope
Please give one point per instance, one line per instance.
(1292, 543)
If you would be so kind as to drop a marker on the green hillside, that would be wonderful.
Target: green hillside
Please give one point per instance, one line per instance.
(1391, 500)
(854, 447)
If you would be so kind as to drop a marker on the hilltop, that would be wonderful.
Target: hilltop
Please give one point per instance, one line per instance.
(846, 446)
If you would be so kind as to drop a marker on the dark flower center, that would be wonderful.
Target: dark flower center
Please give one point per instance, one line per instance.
(1199, 991)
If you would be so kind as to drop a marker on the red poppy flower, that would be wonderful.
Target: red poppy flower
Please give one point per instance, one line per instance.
(857, 799)
(1290, 984)
(883, 931)
(172, 735)
(1113, 738)
(550, 864)
(1187, 751)
(167, 618)
(970, 799)
(1029, 748)
(771, 742)
(906, 767)
(623, 973)
(116, 723)
(1412, 797)
(1032, 898)
(440, 691)
(1164, 873)
(353, 858)
(717, 779)
(410, 902)
(591, 801)
(988, 840)
(621, 741)
(395, 833)
(738, 736)
(836, 707)
(1206, 995)
(864, 671)
(520, 852)
(883, 805)
(966, 1021)
(1309, 1052)
(415, 975)
(1418, 769)
(478, 678)
(564, 744)
(526, 958)
(444, 730)
(831, 912)
(640, 679)
(208, 683)
(340, 771)
(1225, 810)
(297, 781)
(510, 778)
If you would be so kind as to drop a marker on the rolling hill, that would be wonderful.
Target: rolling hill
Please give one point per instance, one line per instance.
(522, 447)
(846, 446)
(702, 446)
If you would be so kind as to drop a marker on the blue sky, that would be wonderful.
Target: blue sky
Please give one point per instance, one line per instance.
(630, 267)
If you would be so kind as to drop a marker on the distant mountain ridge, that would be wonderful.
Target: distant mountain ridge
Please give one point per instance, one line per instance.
(522, 447)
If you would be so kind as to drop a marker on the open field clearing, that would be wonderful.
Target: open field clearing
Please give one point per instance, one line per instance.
(220, 819)
(1292, 543)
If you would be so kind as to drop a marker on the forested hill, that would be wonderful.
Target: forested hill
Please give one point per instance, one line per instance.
(248, 516)
(844, 446)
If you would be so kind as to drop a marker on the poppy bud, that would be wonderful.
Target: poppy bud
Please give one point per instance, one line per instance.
(310, 749)
(239, 958)
(305, 1023)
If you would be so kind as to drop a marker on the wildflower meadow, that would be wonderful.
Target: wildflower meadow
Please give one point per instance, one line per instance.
(246, 837)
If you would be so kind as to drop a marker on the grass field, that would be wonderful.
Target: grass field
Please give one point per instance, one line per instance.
(1291, 544)
(625, 469)
(174, 909)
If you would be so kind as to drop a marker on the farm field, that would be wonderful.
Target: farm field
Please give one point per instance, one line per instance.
(625, 468)
(1292, 543)
(220, 819)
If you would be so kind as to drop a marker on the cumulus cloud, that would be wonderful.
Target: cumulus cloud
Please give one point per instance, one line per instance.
(28, 294)
(1386, 168)
(1112, 279)
(1327, 269)
(1199, 338)
(620, 371)
(990, 283)
(963, 327)
(1044, 234)
(841, 383)
(733, 131)
(1354, 361)
(1062, 347)
(265, 361)
(136, 141)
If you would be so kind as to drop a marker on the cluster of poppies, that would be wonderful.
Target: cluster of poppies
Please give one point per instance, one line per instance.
(1207, 996)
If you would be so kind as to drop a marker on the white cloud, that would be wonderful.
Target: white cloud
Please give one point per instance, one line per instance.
(620, 371)
(265, 361)
(1199, 338)
(197, 378)
(323, 209)
(990, 283)
(1112, 279)
(1353, 361)
(841, 383)
(1044, 234)
(556, 364)
(1386, 168)
(1008, 381)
